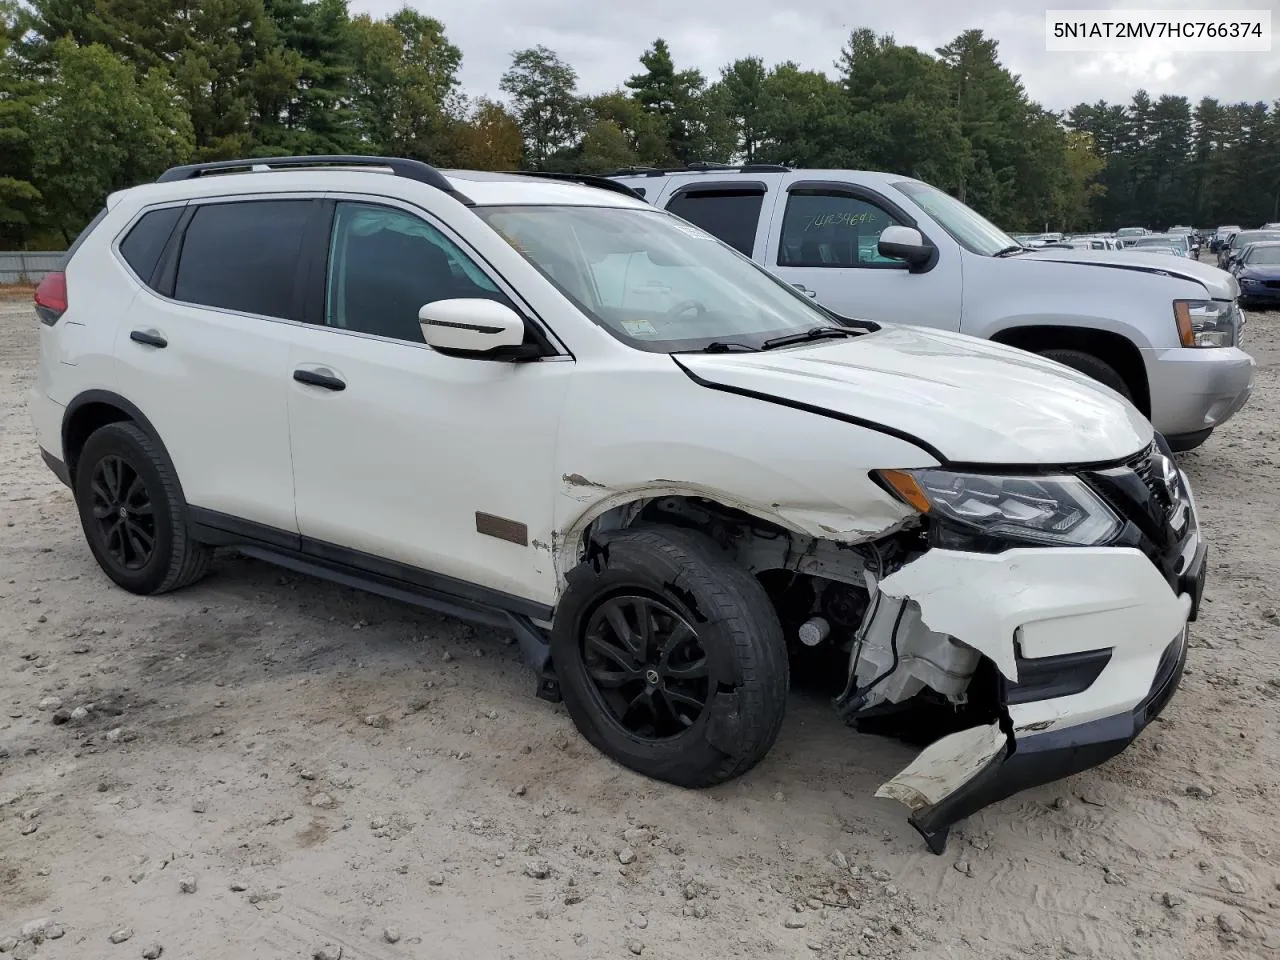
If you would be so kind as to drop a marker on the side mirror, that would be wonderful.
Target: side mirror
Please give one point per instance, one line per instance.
(905, 243)
(474, 327)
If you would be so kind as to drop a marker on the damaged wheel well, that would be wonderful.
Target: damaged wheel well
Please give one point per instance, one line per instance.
(880, 659)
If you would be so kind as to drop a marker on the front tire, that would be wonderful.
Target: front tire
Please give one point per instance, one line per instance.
(132, 512)
(1090, 366)
(670, 658)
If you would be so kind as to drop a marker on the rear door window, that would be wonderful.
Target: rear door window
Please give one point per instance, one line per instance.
(243, 256)
(731, 214)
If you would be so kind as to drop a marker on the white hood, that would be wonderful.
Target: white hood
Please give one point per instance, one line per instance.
(1220, 284)
(973, 400)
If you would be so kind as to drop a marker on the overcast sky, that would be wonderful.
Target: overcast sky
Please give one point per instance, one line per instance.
(603, 40)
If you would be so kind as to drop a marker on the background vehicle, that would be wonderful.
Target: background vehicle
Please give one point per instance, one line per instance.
(459, 390)
(1258, 271)
(893, 249)
(1175, 244)
(1221, 236)
(1230, 250)
(1126, 235)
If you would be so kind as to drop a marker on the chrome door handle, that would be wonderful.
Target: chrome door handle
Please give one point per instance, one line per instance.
(805, 290)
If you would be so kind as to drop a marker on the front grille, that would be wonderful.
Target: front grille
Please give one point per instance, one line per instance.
(1144, 465)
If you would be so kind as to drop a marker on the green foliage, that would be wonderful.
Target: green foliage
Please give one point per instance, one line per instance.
(137, 126)
(96, 95)
(543, 92)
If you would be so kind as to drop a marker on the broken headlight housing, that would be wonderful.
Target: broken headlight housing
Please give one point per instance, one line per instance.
(1207, 323)
(1057, 510)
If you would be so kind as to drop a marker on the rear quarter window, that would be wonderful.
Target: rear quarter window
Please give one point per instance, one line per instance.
(146, 240)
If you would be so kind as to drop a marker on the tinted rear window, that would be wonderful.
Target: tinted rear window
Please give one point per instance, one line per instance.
(146, 241)
(731, 215)
(243, 256)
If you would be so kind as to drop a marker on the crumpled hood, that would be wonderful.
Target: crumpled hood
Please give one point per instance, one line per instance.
(972, 400)
(1220, 284)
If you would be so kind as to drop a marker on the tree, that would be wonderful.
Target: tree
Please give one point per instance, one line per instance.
(489, 138)
(19, 96)
(403, 85)
(695, 126)
(901, 112)
(137, 129)
(740, 94)
(803, 119)
(543, 92)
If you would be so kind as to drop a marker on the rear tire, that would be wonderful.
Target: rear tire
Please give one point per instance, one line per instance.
(670, 658)
(132, 512)
(1090, 366)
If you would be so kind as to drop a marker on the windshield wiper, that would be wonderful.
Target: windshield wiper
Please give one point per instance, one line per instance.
(813, 333)
(1010, 251)
(722, 346)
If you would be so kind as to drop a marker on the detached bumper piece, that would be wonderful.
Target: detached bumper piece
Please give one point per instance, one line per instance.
(962, 773)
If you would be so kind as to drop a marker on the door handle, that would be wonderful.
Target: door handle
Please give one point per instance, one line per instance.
(316, 378)
(151, 338)
(805, 290)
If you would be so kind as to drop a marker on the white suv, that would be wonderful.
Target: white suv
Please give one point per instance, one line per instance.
(549, 406)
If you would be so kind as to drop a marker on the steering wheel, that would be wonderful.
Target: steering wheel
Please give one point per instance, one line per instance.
(684, 306)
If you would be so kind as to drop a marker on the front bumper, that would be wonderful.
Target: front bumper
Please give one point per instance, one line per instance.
(1259, 293)
(1196, 389)
(1089, 644)
(1040, 758)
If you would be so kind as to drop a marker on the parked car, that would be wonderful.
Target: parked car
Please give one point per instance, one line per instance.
(1258, 271)
(1126, 235)
(1163, 333)
(1221, 237)
(1174, 244)
(1230, 250)
(1192, 239)
(548, 406)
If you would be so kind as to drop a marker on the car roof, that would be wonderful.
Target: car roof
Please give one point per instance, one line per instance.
(481, 188)
(879, 177)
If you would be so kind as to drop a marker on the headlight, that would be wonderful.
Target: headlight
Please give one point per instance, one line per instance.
(1206, 323)
(1058, 510)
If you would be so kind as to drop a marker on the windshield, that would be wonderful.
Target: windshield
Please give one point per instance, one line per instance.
(1264, 255)
(966, 226)
(653, 280)
(1129, 232)
(1153, 242)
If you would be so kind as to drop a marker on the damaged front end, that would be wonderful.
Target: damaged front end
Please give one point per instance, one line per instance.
(1021, 659)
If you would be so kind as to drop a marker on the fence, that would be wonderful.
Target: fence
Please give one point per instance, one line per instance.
(28, 266)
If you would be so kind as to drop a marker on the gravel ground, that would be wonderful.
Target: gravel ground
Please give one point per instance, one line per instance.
(275, 767)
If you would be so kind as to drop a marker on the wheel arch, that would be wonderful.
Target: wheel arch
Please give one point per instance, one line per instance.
(1114, 349)
(96, 408)
(620, 510)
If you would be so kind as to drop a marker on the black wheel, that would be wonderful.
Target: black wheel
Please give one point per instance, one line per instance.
(1091, 366)
(670, 657)
(133, 514)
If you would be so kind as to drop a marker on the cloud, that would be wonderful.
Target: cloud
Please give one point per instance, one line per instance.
(603, 41)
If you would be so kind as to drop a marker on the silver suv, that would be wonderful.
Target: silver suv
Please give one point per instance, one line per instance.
(1164, 333)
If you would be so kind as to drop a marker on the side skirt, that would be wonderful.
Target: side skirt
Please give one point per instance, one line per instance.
(387, 578)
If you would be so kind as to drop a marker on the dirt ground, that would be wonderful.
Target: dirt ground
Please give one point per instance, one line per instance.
(273, 764)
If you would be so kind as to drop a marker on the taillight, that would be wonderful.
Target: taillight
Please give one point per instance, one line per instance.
(51, 298)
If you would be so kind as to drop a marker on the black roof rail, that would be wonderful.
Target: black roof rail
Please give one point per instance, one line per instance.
(700, 166)
(400, 166)
(587, 179)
